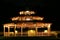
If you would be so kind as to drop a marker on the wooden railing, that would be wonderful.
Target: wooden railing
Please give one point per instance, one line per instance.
(26, 34)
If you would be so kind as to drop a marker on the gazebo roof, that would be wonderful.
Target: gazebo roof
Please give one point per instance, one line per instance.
(27, 18)
(26, 12)
(28, 24)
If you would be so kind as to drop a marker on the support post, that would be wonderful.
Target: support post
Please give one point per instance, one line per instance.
(36, 31)
(21, 31)
(8, 31)
(49, 30)
(4, 30)
(15, 30)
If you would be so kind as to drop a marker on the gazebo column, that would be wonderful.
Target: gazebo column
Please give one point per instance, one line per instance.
(21, 31)
(8, 30)
(36, 31)
(15, 30)
(42, 26)
(48, 29)
(4, 30)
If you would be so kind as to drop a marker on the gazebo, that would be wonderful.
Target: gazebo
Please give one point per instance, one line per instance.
(27, 25)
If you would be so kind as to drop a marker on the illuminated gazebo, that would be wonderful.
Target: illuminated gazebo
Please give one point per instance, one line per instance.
(24, 25)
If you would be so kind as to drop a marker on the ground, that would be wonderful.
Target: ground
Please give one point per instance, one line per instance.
(29, 38)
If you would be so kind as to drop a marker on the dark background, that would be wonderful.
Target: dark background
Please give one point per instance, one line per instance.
(45, 8)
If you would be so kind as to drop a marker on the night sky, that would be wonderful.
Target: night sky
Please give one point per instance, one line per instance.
(45, 8)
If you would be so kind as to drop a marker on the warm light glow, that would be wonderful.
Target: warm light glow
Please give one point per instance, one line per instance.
(38, 18)
(49, 25)
(15, 18)
(31, 33)
(8, 24)
(16, 31)
(28, 19)
(24, 18)
(32, 12)
(21, 12)
(41, 18)
(45, 31)
(12, 32)
(4, 26)
(27, 11)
